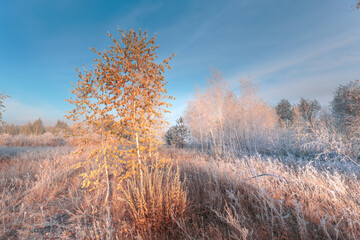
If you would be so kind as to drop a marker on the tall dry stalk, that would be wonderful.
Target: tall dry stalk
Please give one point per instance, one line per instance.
(157, 201)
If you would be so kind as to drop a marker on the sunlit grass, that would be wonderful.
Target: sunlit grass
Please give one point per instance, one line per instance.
(41, 197)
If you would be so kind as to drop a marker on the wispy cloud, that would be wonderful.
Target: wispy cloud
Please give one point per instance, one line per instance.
(299, 57)
(131, 18)
(314, 70)
(320, 87)
(200, 23)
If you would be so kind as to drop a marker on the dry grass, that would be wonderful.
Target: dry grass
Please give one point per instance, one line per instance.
(300, 203)
(46, 139)
(41, 198)
(156, 201)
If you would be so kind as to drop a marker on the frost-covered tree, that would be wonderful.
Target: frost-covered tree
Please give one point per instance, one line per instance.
(178, 134)
(346, 107)
(26, 129)
(61, 125)
(285, 111)
(35, 128)
(59, 128)
(11, 129)
(38, 127)
(224, 123)
(308, 109)
(206, 113)
(3, 96)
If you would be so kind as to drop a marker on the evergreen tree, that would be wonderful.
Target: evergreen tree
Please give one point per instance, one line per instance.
(285, 111)
(177, 135)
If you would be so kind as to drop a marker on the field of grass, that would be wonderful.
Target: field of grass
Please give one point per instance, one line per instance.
(196, 197)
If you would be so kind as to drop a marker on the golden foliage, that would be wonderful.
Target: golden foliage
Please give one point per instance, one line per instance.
(119, 106)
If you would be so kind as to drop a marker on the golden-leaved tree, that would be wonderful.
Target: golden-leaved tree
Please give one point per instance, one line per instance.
(119, 107)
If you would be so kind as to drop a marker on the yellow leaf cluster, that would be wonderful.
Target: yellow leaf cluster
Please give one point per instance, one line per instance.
(119, 107)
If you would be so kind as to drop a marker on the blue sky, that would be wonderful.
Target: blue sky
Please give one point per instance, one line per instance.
(289, 48)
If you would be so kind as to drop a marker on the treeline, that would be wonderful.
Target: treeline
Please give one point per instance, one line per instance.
(287, 113)
(34, 128)
(343, 114)
(220, 121)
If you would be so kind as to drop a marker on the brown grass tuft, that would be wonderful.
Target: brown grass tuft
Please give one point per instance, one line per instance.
(157, 201)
